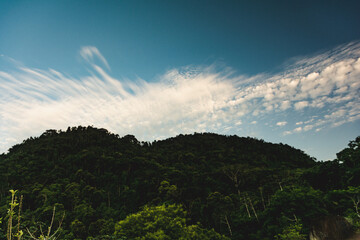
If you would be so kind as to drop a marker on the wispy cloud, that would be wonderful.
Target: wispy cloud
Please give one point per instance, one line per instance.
(280, 124)
(182, 100)
(89, 53)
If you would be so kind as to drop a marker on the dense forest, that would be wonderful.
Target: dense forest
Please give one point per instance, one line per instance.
(199, 186)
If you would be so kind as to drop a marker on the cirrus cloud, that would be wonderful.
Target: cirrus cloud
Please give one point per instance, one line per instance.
(182, 100)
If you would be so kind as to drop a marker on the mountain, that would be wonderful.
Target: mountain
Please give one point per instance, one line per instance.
(97, 178)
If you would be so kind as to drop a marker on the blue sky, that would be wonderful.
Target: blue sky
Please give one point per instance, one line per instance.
(283, 71)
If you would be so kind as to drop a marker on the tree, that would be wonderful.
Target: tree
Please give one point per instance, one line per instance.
(348, 200)
(292, 204)
(79, 229)
(167, 191)
(221, 207)
(292, 232)
(48, 235)
(350, 156)
(350, 159)
(162, 222)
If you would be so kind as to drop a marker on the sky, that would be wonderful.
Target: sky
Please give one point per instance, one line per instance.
(282, 71)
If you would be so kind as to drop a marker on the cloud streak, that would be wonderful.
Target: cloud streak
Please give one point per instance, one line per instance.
(90, 53)
(182, 100)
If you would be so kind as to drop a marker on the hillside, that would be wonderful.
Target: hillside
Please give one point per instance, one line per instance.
(243, 188)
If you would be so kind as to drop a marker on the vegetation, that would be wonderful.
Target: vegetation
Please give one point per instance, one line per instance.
(162, 222)
(199, 186)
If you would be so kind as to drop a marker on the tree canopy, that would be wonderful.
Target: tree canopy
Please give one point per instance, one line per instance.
(194, 186)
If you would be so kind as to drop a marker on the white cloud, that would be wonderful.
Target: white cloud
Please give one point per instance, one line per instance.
(301, 105)
(89, 53)
(182, 100)
(298, 129)
(295, 130)
(238, 123)
(35, 100)
(336, 114)
(285, 105)
(287, 133)
(281, 123)
(308, 127)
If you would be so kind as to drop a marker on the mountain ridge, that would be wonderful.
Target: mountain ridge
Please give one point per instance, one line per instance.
(94, 175)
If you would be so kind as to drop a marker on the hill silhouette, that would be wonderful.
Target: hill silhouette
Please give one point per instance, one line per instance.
(244, 188)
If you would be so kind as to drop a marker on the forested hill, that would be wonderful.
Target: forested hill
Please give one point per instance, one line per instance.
(243, 188)
(233, 150)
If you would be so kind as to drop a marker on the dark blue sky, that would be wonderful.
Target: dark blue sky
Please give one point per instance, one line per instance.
(147, 37)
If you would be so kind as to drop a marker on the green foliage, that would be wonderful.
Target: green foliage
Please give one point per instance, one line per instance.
(168, 191)
(102, 227)
(162, 222)
(243, 188)
(11, 215)
(292, 232)
(350, 159)
(79, 229)
(350, 156)
(165, 221)
(349, 199)
(292, 203)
